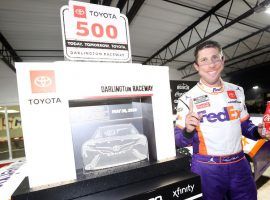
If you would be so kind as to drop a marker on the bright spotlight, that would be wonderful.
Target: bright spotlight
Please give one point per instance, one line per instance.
(256, 87)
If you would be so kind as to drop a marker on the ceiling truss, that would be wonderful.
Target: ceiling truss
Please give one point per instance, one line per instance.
(250, 49)
(7, 53)
(204, 11)
(178, 46)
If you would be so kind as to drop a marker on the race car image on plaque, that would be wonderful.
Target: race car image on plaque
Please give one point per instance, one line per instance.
(109, 133)
(114, 145)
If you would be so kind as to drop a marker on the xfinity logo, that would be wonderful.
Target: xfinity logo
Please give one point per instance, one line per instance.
(227, 114)
(183, 190)
(156, 198)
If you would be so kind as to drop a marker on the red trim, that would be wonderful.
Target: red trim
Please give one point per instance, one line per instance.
(114, 96)
(4, 164)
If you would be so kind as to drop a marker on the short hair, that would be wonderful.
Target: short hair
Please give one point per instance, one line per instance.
(207, 44)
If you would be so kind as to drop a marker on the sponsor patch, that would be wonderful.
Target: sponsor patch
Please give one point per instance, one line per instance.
(217, 89)
(234, 101)
(182, 86)
(178, 94)
(188, 97)
(226, 114)
(203, 105)
(201, 99)
(211, 160)
(231, 94)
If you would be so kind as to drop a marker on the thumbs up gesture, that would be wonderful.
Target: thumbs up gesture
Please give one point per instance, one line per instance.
(192, 118)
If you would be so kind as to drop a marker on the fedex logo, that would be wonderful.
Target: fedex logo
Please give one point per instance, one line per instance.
(227, 114)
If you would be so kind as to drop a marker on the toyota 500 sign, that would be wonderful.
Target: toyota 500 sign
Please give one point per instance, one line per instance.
(94, 33)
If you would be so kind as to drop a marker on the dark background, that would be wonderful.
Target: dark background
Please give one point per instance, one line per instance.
(256, 100)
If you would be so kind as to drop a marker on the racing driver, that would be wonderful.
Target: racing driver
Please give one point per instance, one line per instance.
(212, 117)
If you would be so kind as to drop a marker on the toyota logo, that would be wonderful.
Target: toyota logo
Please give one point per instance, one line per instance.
(116, 148)
(43, 81)
(79, 11)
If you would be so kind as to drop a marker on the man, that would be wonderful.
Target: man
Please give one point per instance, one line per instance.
(212, 117)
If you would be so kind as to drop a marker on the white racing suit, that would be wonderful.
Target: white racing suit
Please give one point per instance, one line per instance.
(217, 149)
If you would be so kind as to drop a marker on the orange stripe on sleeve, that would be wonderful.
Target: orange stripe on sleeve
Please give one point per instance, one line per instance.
(202, 146)
(256, 148)
(181, 127)
(244, 118)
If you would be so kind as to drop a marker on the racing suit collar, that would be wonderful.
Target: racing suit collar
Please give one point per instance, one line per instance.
(211, 90)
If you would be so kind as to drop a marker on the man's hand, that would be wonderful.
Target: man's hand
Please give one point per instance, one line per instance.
(192, 119)
(263, 135)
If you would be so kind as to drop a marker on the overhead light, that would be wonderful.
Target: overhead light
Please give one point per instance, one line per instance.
(256, 87)
(267, 10)
(262, 6)
(9, 111)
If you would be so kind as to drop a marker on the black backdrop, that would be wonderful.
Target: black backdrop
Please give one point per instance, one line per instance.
(178, 88)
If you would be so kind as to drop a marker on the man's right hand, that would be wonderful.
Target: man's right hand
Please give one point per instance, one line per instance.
(192, 118)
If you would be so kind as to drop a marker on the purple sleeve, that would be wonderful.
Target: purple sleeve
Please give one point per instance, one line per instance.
(180, 139)
(249, 130)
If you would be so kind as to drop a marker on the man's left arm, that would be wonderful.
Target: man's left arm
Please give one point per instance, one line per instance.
(250, 130)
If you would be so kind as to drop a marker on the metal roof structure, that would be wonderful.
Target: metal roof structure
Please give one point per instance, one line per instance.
(163, 32)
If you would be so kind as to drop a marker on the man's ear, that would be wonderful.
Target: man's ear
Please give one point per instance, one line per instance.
(196, 66)
(223, 59)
